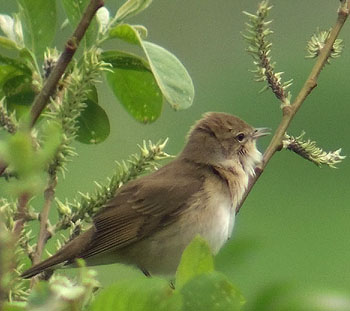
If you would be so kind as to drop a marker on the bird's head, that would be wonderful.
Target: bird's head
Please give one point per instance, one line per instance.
(224, 140)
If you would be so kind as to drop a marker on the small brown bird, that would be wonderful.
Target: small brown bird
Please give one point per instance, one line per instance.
(152, 219)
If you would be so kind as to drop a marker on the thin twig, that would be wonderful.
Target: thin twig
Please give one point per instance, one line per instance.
(21, 215)
(3, 264)
(290, 110)
(51, 83)
(44, 233)
(3, 166)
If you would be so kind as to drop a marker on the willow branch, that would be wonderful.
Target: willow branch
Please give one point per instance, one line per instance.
(44, 233)
(3, 263)
(71, 46)
(289, 111)
(21, 215)
(3, 166)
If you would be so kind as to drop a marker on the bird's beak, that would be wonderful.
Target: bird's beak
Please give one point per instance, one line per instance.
(261, 131)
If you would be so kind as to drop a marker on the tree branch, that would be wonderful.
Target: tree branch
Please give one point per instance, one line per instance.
(21, 215)
(44, 233)
(289, 111)
(3, 166)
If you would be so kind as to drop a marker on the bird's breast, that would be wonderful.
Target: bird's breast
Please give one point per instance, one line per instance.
(218, 223)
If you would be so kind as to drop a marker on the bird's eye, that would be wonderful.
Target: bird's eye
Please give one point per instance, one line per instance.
(240, 136)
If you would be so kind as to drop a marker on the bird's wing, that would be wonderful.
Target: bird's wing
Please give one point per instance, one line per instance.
(143, 206)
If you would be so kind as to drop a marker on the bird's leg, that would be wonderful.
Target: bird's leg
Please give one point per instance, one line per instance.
(47, 274)
(146, 273)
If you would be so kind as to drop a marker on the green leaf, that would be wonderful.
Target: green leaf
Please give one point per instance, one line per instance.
(94, 125)
(52, 133)
(21, 154)
(28, 161)
(171, 76)
(134, 85)
(288, 296)
(39, 295)
(18, 91)
(211, 291)
(131, 8)
(125, 32)
(75, 10)
(29, 59)
(138, 92)
(7, 43)
(19, 64)
(142, 30)
(16, 84)
(39, 27)
(17, 87)
(196, 259)
(137, 295)
(14, 306)
(123, 60)
(7, 72)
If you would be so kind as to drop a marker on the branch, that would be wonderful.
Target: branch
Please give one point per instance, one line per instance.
(50, 85)
(288, 112)
(44, 233)
(4, 264)
(3, 166)
(21, 216)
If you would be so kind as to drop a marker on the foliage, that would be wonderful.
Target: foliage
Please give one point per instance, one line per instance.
(204, 289)
(283, 296)
(259, 47)
(161, 77)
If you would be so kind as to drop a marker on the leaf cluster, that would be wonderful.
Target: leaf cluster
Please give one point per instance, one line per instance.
(197, 286)
(140, 83)
(34, 156)
(259, 47)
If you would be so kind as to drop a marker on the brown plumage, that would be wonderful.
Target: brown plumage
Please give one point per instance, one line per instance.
(151, 219)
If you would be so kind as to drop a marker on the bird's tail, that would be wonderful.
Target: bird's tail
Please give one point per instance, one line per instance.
(64, 256)
(50, 263)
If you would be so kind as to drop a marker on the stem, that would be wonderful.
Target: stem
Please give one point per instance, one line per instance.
(3, 166)
(3, 263)
(21, 216)
(288, 112)
(44, 233)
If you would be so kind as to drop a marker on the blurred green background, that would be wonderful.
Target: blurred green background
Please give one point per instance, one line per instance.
(294, 227)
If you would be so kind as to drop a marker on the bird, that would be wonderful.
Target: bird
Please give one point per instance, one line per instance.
(150, 220)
